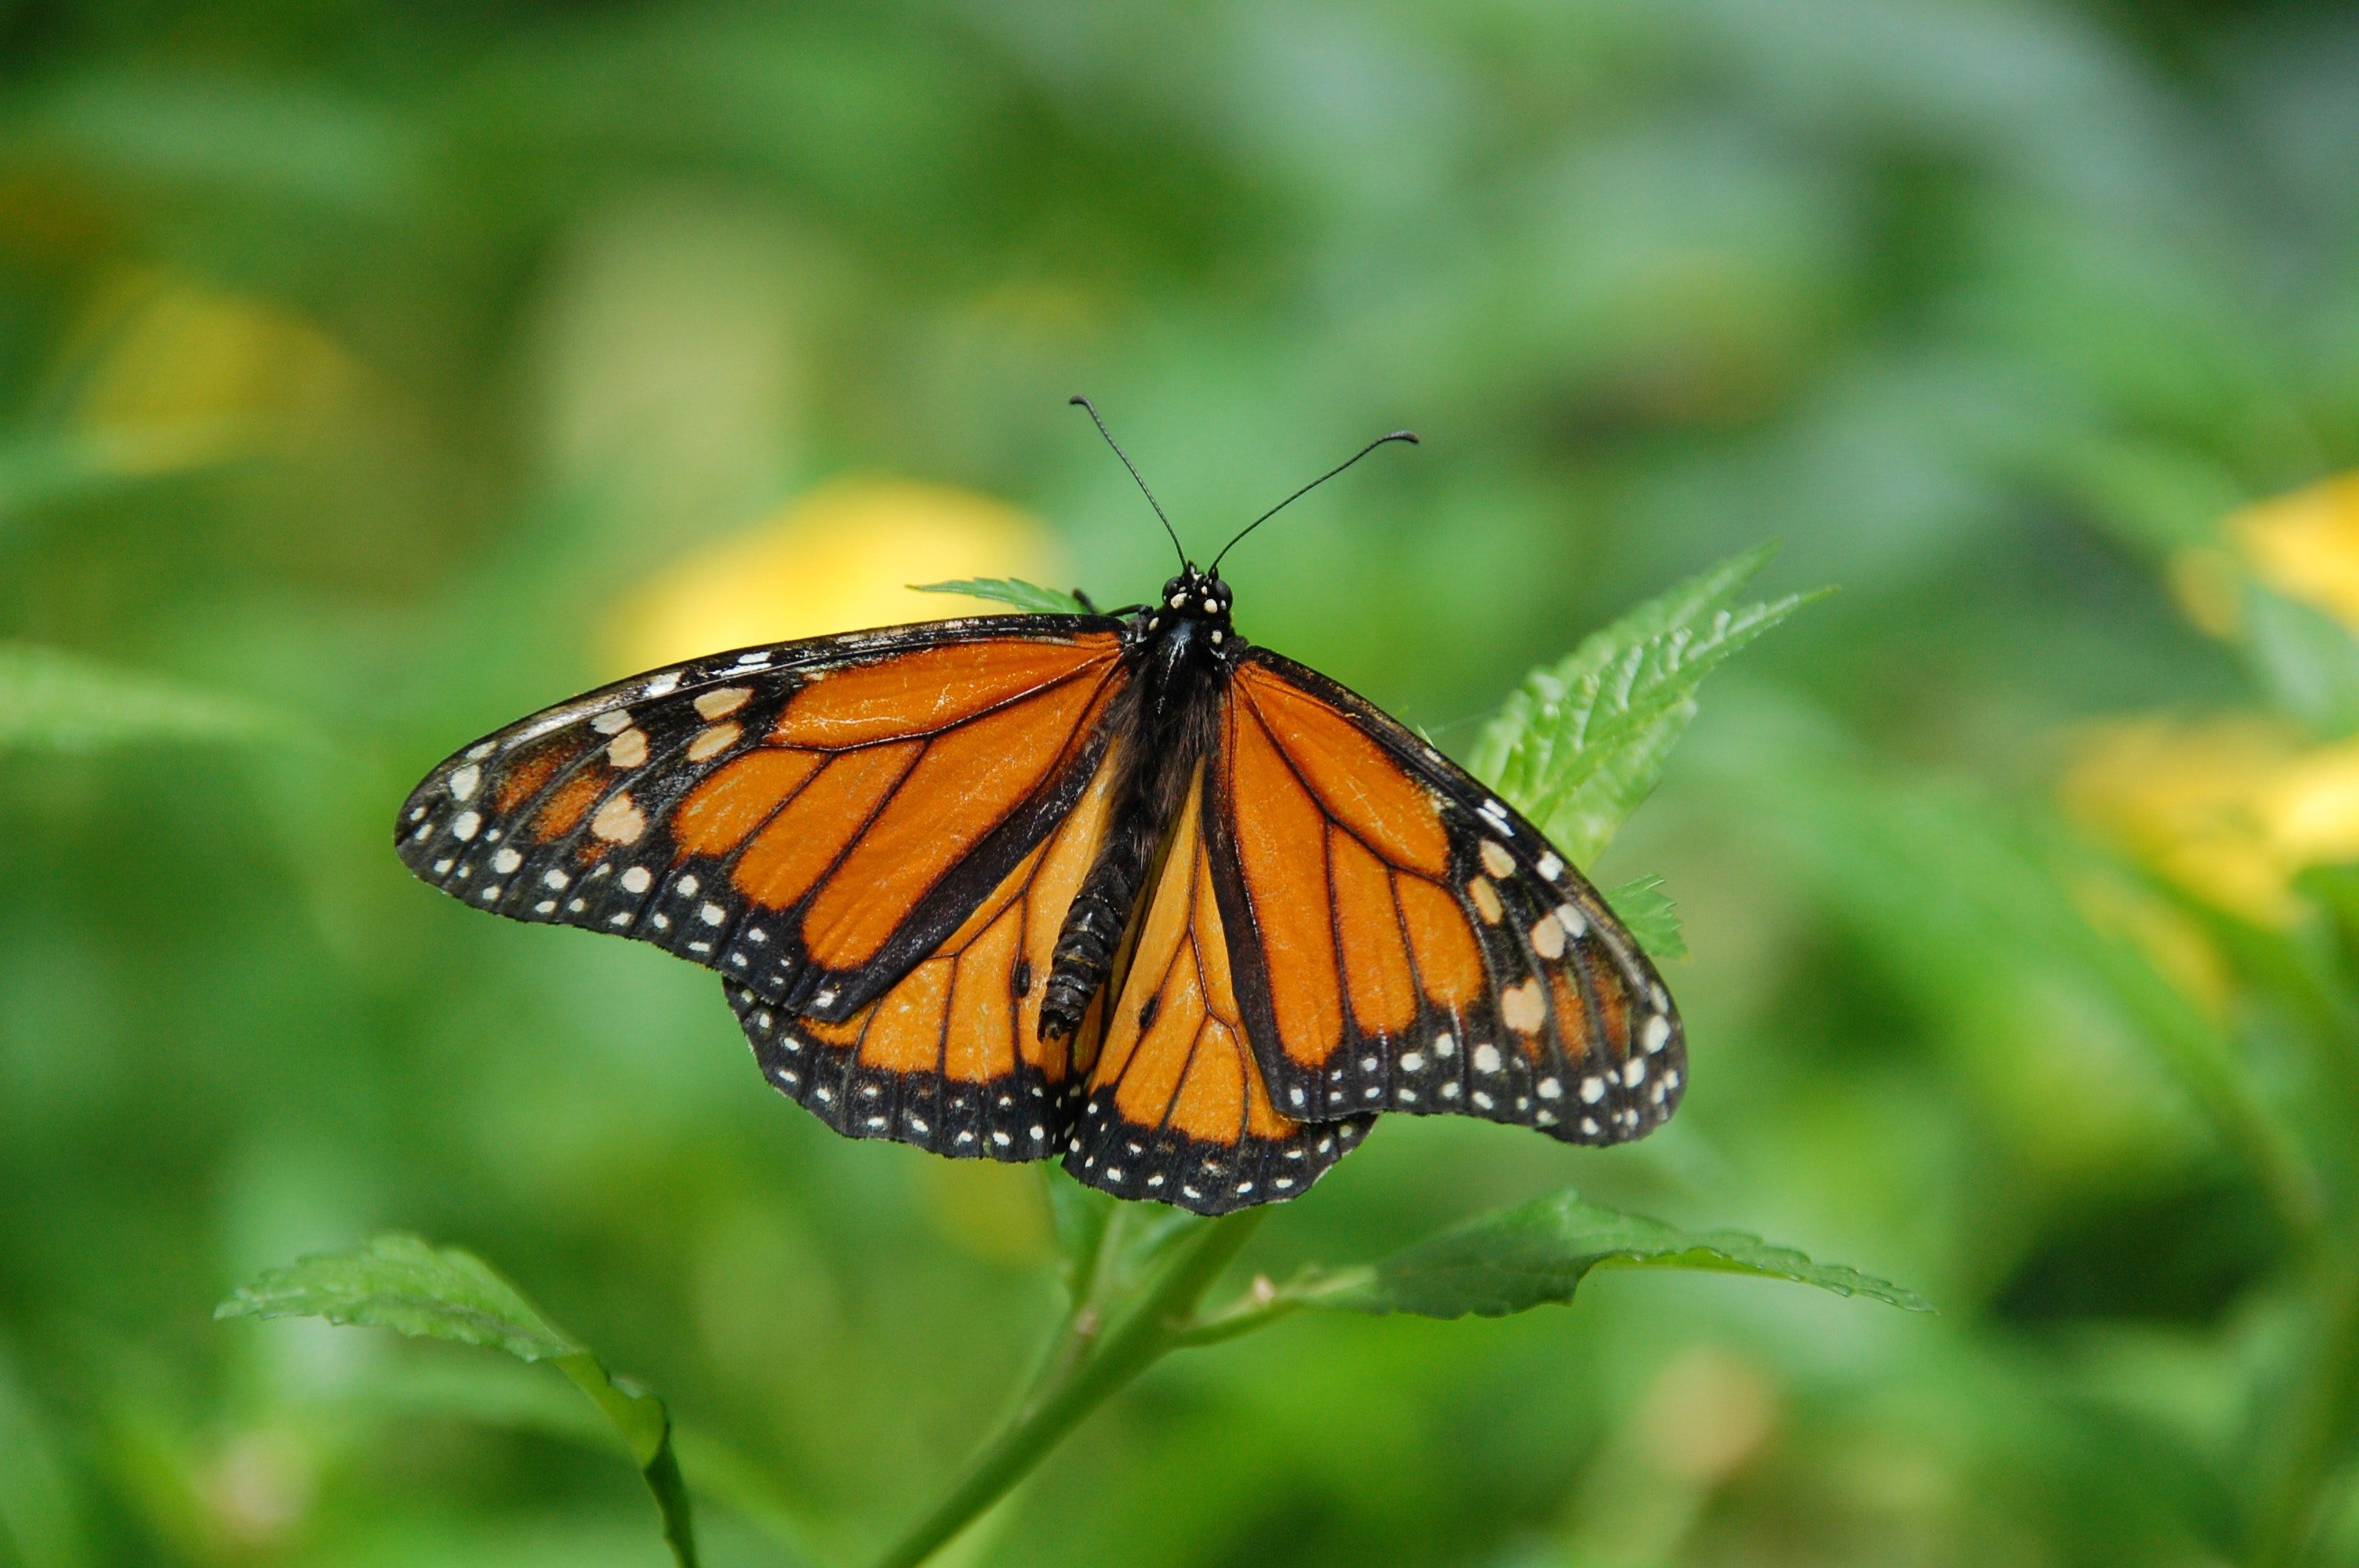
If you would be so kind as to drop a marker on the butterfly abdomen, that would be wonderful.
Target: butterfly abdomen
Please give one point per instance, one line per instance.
(1094, 924)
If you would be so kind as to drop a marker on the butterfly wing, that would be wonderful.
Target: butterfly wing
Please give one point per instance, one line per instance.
(1177, 1109)
(950, 1057)
(1462, 964)
(812, 820)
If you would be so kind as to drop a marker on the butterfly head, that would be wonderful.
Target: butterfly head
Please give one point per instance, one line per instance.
(1195, 596)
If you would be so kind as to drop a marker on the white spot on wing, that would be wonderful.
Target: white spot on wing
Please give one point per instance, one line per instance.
(723, 700)
(619, 821)
(1486, 899)
(463, 782)
(1523, 1007)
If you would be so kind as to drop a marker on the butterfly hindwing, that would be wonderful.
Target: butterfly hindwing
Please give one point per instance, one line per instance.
(1176, 1109)
(1464, 966)
(811, 819)
(950, 1057)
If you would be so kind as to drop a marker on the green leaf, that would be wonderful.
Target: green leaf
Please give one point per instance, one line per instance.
(1012, 591)
(1647, 913)
(400, 1282)
(56, 701)
(1516, 1258)
(403, 1284)
(1582, 742)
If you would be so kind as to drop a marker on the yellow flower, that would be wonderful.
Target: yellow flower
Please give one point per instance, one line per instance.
(167, 371)
(2306, 545)
(840, 560)
(2230, 809)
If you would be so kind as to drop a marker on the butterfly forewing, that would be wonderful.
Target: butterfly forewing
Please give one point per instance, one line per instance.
(811, 819)
(1463, 967)
(1176, 1109)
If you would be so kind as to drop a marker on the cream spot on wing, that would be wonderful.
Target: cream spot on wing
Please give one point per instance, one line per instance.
(1656, 1033)
(555, 881)
(1486, 899)
(1523, 1007)
(1495, 858)
(619, 821)
(1547, 937)
(1593, 1089)
(1571, 919)
(506, 861)
(637, 880)
(723, 700)
(628, 750)
(613, 723)
(1551, 866)
(714, 915)
(713, 742)
(465, 825)
(463, 782)
(664, 685)
(1486, 1058)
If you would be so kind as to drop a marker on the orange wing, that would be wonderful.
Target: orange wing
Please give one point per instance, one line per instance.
(951, 1059)
(1177, 1109)
(1462, 965)
(811, 819)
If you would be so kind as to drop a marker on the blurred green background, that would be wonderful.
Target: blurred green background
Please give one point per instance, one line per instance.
(372, 373)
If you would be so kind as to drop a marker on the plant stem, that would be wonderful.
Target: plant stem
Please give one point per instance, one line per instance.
(1074, 1385)
(2316, 1420)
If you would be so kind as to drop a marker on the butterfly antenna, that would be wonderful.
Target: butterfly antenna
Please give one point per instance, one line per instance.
(1133, 467)
(1408, 436)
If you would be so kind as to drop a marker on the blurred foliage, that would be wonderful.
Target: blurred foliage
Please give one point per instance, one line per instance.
(400, 1282)
(369, 365)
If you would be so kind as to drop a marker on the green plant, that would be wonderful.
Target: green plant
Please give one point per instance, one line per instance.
(1579, 747)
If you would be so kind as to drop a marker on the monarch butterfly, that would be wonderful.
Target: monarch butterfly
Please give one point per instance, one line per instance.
(1120, 887)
